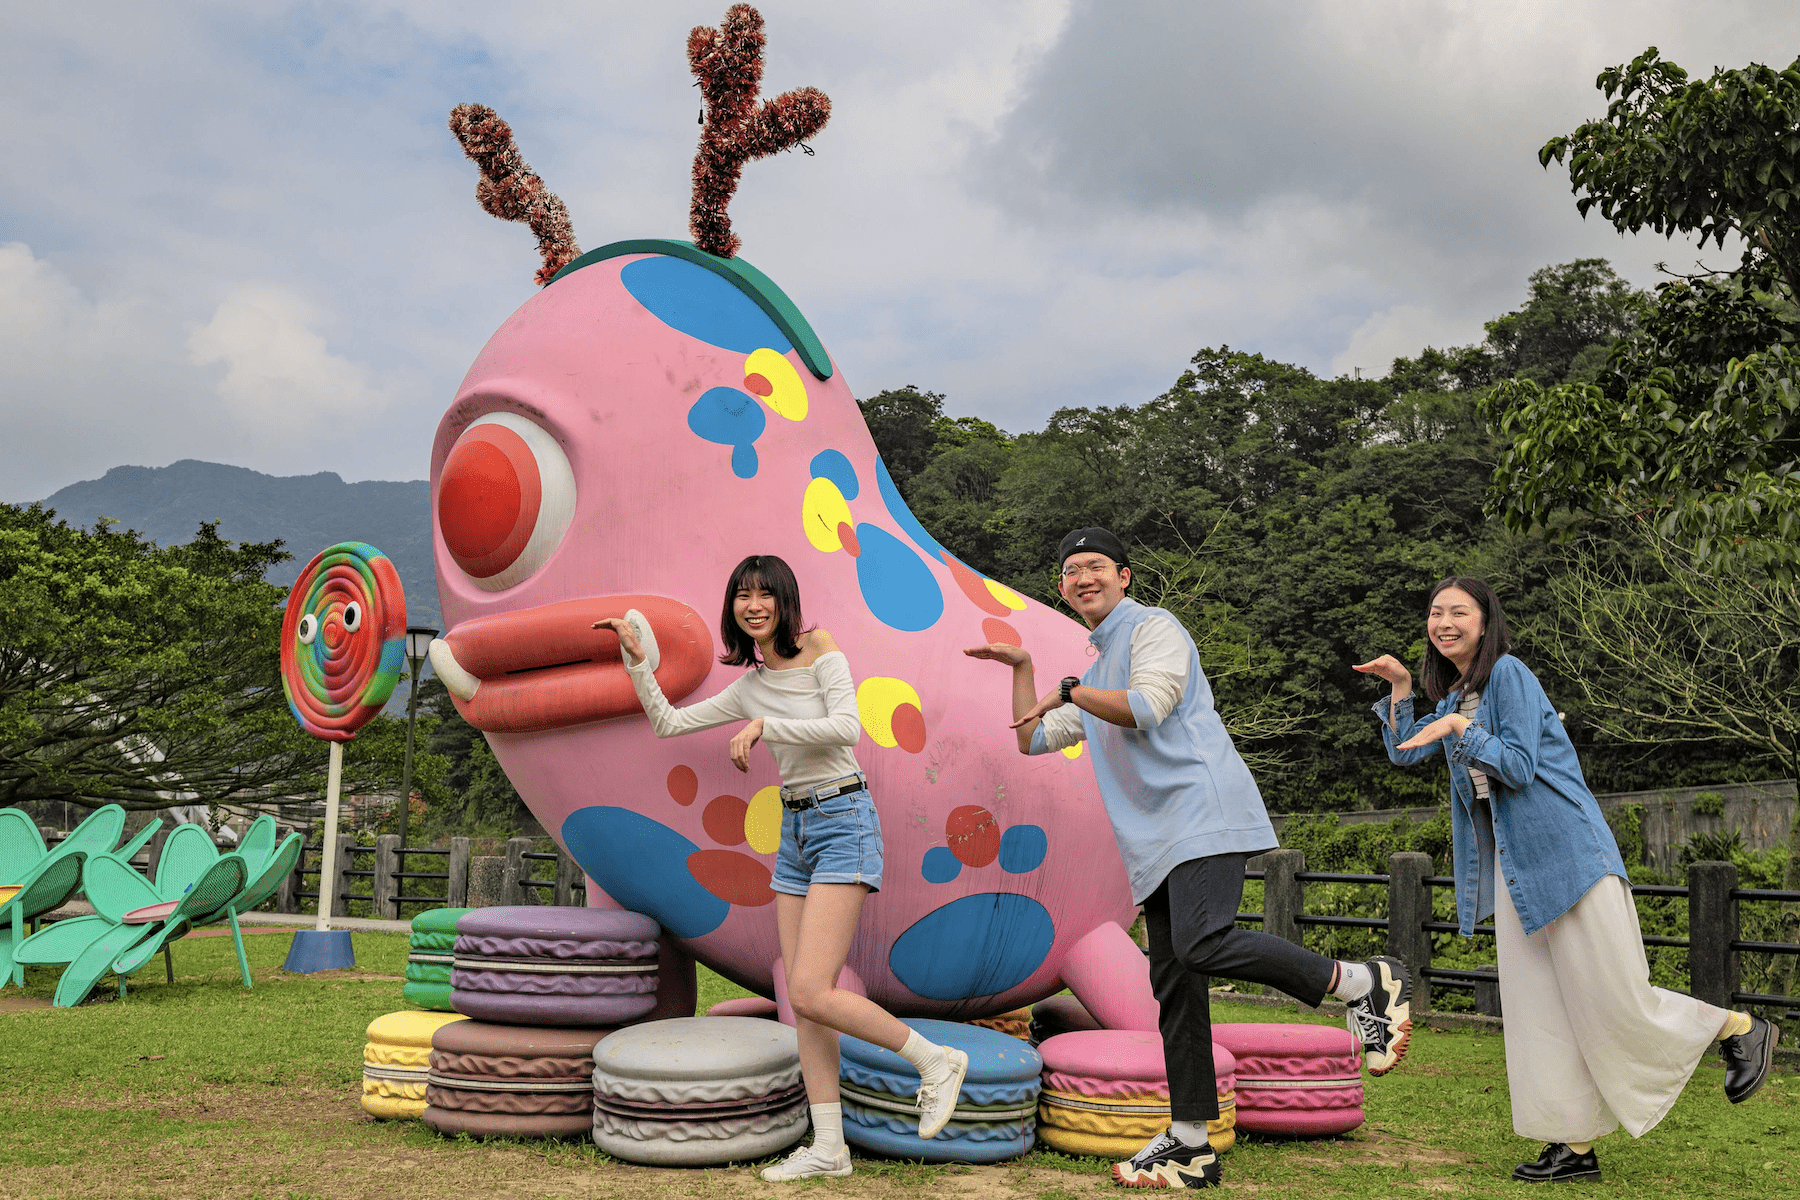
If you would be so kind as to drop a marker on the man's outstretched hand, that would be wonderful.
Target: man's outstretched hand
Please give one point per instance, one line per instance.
(1001, 652)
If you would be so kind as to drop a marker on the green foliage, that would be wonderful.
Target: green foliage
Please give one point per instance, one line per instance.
(476, 798)
(146, 675)
(1715, 157)
(1696, 417)
(1627, 822)
(1709, 804)
(1576, 311)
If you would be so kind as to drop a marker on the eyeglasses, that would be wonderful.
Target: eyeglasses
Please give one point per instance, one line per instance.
(1093, 570)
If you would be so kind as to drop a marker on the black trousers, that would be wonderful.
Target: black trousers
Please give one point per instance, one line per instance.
(1192, 921)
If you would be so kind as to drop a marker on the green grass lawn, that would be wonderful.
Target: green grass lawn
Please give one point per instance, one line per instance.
(203, 1089)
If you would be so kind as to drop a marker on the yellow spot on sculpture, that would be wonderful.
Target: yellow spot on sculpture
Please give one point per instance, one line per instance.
(1072, 752)
(771, 376)
(823, 510)
(1005, 595)
(762, 821)
(876, 699)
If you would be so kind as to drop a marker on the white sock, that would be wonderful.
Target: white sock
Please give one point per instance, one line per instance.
(1355, 981)
(1191, 1133)
(828, 1128)
(927, 1057)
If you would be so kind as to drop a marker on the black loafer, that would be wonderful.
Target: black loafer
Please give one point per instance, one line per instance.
(1748, 1057)
(1559, 1164)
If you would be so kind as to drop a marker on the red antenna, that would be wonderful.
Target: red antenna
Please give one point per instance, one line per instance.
(511, 190)
(728, 63)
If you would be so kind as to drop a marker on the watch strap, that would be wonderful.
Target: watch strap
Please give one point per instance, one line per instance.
(1068, 685)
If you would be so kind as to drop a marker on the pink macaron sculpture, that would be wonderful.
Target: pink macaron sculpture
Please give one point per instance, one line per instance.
(655, 413)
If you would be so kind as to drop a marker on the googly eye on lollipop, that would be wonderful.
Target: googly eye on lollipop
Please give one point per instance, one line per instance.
(343, 640)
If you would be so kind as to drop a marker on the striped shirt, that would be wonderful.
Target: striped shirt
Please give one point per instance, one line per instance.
(1466, 706)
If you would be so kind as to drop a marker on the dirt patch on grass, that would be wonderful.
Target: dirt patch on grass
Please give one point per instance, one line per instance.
(10, 1004)
(298, 1144)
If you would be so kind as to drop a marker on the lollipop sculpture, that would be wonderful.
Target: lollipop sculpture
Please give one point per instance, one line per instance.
(342, 644)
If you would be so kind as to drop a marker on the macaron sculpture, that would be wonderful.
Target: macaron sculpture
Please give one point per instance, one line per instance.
(698, 1091)
(1106, 1093)
(489, 1080)
(397, 1062)
(429, 954)
(1297, 1080)
(994, 1119)
(532, 965)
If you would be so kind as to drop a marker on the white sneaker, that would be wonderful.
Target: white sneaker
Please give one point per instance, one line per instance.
(938, 1100)
(806, 1162)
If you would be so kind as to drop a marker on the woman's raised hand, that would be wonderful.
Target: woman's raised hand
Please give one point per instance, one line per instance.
(1437, 731)
(627, 636)
(1389, 668)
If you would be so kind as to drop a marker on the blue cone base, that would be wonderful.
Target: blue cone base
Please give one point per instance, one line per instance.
(319, 950)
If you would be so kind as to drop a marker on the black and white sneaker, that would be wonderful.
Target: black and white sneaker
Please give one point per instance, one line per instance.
(1169, 1162)
(1382, 1020)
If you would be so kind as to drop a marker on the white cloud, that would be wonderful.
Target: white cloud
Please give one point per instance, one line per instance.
(1401, 332)
(1023, 203)
(279, 373)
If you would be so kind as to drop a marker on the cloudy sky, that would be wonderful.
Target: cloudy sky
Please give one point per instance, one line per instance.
(242, 233)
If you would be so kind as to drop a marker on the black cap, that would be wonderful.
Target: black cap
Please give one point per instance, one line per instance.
(1100, 541)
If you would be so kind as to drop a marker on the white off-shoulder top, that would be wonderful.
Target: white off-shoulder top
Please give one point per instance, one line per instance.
(809, 714)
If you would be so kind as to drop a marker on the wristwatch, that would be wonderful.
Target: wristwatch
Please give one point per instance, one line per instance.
(1068, 685)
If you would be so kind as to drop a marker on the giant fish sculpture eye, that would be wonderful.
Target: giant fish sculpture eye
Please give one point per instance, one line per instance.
(655, 413)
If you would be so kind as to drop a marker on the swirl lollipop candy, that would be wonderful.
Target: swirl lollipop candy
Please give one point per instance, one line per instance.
(343, 640)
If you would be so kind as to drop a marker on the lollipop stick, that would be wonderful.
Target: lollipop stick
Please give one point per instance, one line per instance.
(334, 777)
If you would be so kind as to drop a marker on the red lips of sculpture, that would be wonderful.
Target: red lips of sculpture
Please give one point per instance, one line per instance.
(545, 668)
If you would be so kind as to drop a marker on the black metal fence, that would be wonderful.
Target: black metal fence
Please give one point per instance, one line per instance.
(1715, 944)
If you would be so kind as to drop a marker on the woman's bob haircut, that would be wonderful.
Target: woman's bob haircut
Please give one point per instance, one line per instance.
(772, 575)
(1439, 673)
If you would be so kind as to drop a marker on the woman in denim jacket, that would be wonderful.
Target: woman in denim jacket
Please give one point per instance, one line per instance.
(1592, 1045)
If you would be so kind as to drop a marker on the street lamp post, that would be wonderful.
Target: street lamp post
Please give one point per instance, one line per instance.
(418, 646)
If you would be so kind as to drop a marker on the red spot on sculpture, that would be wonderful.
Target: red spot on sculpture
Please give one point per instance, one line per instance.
(732, 877)
(723, 820)
(908, 725)
(759, 385)
(847, 535)
(973, 835)
(684, 785)
(995, 630)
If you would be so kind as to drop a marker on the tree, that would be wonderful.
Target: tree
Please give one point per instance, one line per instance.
(1575, 312)
(1696, 416)
(904, 423)
(147, 675)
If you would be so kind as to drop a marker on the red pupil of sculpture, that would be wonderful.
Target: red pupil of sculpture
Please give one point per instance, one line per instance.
(488, 499)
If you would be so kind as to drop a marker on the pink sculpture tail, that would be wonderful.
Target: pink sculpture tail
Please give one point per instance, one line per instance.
(1111, 977)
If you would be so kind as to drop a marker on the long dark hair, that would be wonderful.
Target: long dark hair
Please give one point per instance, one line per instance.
(775, 577)
(1439, 673)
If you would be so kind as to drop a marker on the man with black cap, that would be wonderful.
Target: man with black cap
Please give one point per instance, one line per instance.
(1186, 814)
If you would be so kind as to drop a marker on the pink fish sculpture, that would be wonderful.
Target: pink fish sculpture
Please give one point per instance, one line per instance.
(653, 415)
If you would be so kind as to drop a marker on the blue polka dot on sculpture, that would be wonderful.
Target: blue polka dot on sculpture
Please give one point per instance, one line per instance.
(940, 865)
(688, 297)
(1022, 848)
(832, 465)
(896, 584)
(642, 864)
(730, 417)
(902, 515)
(976, 946)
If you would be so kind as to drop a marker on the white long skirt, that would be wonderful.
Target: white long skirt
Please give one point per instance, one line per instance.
(1590, 1045)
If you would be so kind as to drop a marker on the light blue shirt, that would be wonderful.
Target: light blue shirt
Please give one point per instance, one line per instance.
(1175, 789)
(1541, 827)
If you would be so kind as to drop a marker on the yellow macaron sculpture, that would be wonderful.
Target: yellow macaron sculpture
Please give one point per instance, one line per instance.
(396, 1060)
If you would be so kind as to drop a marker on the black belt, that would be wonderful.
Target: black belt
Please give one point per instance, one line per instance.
(797, 799)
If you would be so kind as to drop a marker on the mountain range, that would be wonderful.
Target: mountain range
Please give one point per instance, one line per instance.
(307, 512)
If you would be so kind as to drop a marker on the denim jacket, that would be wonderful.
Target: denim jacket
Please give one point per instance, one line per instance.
(1546, 834)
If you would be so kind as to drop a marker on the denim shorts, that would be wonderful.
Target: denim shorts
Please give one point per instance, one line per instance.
(836, 841)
